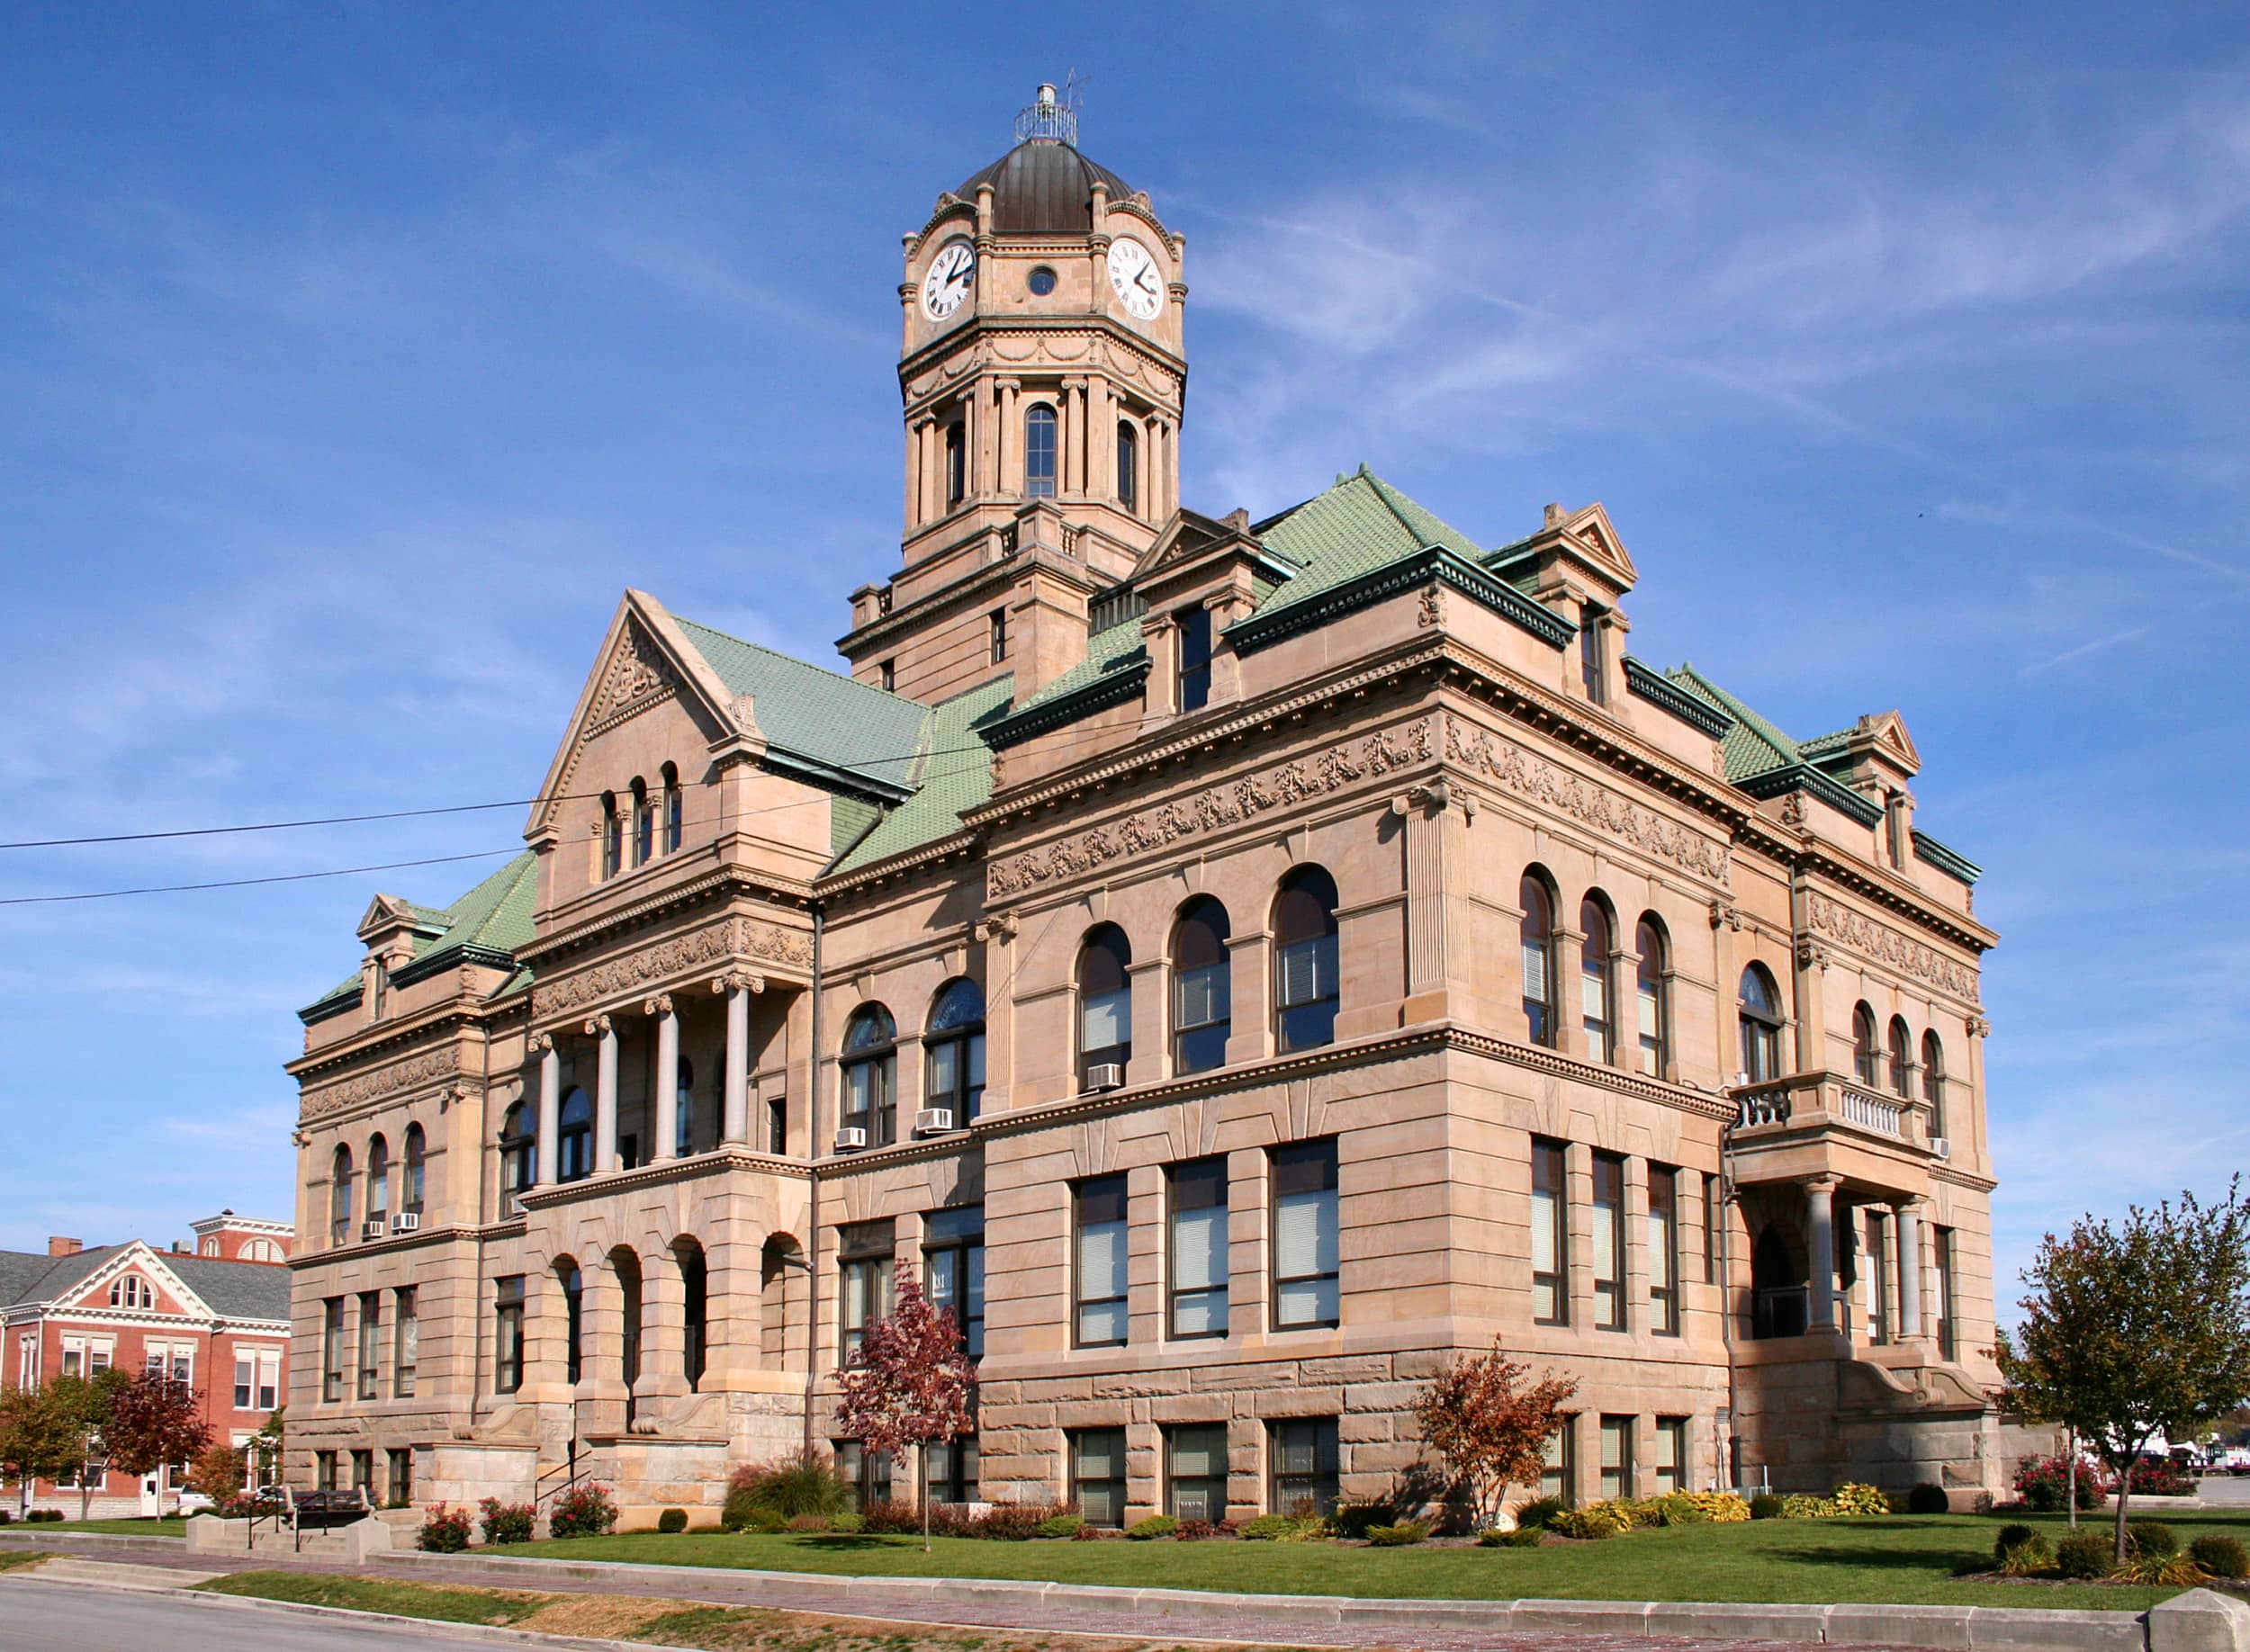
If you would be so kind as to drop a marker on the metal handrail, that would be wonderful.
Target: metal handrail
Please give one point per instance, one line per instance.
(567, 1469)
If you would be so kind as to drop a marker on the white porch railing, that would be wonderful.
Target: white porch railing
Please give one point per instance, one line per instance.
(1871, 1112)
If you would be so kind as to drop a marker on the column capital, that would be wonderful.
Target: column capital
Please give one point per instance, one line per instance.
(661, 1004)
(1913, 1205)
(542, 1044)
(597, 1026)
(737, 980)
(1001, 926)
(1821, 1184)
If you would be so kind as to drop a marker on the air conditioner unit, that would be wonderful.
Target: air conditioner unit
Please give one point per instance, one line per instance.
(1104, 1075)
(1940, 1147)
(933, 1121)
(406, 1221)
(373, 1227)
(849, 1137)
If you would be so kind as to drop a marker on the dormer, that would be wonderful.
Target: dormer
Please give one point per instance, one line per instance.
(1878, 759)
(1579, 568)
(1202, 574)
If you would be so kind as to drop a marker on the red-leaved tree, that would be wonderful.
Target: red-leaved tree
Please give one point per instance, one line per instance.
(153, 1420)
(1491, 1431)
(907, 1384)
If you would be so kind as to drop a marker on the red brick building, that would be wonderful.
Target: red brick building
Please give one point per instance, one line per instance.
(215, 1315)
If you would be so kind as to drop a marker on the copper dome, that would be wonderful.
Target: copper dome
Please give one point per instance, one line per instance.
(1043, 187)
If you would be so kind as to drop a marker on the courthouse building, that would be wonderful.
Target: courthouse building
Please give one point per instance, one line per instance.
(1236, 964)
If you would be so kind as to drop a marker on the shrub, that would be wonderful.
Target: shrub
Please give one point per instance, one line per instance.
(245, 1505)
(1198, 1530)
(2220, 1555)
(7, 1517)
(1804, 1505)
(1766, 1506)
(1095, 1534)
(2028, 1555)
(2151, 1537)
(506, 1523)
(1928, 1499)
(1720, 1507)
(1677, 1509)
(1283, 1529)
(806, 1484)
(852, 1520)
(1060, 1526)
(2010, 1536)
(1540, 1512)
(892, 1519)
(2044, 1484)
(583, 1511)
(762, 1521)
(1523, 1537)
(1402, 1535)
(806, 1523)
(2160, 1477)
(2087, 1554)
(218, 1472)
(2177, 1570)
(1595, 1520)
(1354, 1520)
(1154, 1526)
(1853, 1498)
(445, 1531)
(1014, 1523)
(672, 1520)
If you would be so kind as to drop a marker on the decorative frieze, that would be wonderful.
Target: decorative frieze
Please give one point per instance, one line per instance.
(636, 670)
(1887, 945)
(442, 1062)
(736, 937)
(1584, 800)
(1213, 809)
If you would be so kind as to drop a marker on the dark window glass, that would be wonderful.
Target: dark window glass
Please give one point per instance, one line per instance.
(378, 1181)
(1760, 1025)
(997, 625)
(675, 810)
(1304, 1457)
(955, 462)
(954, 1051)
(417, 1168)
(1591, 640)
(1941, 1254)
(949, 1470)
(1305, 961)
(695, 1285)
(1042, 282)
(1099, 1222)
(1195, 1471)
(871, 1076)
(1617, 1457)
(1097, 1475)
(1194, 660)
(402, 1474)
(574, 1286)
(1550, 1233)
(1663, 1250)
(1655, 1012)
(888, 672)
(867, 1473)
(1105, 1001)
(332, 1350)
(1129, 467)
(1202, 995)
(778, 1126)
(953, 1264)
(864, 1253)
(340, 1197)
(612, 835)
(574, 1138)
(1865, 1062)
(1198, 1263)
(1538, 959)
(644, 824)
(1598, 1009)
(1561, 1460)
(1306, 1232)
(1933, 1081)
(508, 1341)
(1039, 453)
(1902, 1054)
(1672, 1455)
(1714, 1214)
(1609, 1242)
(369, 1342)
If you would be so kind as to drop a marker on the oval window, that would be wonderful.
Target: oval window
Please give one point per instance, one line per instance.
(1042, 281)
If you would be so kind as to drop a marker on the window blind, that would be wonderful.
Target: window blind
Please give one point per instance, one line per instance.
(1536, 971)
(1203, 995)
(1105, 1020)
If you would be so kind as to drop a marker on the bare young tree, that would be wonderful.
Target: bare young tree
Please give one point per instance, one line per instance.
(1491, 1431)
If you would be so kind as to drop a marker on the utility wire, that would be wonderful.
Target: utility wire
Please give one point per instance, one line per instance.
(244, 883)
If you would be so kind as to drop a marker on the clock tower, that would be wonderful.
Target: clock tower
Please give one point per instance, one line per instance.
(1043, 384)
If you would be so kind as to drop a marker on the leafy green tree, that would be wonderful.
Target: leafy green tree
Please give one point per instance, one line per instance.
(42, 1436)
(2135, 1330)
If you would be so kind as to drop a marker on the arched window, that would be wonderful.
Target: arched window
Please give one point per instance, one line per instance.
(417, 1152)
(1203, 987)
(1866, 1063)
(340, 1196)
(954, 1040)
(1039, 451)
(574, 1138)
(612, 836)
(1933, 1081)
(627, 1268)
(1128, 465)
(1761, 1012)
(573, 1287)
(644, 822)
(259, 1249)
(378, 1181)
(684, 1113)
(132, 1291)
(1304, 961)
(1654, 1006)
(695, 1285)
(871, 1074)
(675, 810)
(1538, 958)
(1902, 1052)
(519, 1141)
(1597, 980)
(1105, 1001)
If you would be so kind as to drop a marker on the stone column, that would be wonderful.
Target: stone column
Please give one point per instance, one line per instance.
(1147, 1297)
(663, 1335)
(605, 1093)
(1906, 1215)
(550, 1108)
(1820, 1243)
(1578, 1161)
(1073, 478)
(1640, 1311)
(601, 1347)
(1010, 438)
(736, 986)
(666, 1112)
(546, 1376)
(1101, 440)
(1437, 919)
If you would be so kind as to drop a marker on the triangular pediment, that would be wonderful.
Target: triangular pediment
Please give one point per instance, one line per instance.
(174, 1295)
(645, 661)
(1887, 730)
(1189, 533)
(1597, 535)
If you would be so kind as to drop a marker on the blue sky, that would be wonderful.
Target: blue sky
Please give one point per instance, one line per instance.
(354, 358)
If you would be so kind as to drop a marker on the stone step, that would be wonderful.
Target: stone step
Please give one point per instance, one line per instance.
(116, 1573)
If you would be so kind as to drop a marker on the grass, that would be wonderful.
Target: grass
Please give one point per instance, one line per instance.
(404, 1600)
(1903, 1559)
(20, 1556)
(150, 1525)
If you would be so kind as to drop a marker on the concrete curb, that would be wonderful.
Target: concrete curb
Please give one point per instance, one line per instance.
(33, 1537)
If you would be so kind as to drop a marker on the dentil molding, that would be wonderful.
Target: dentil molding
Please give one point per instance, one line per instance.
(735, 937)
(442, 1063)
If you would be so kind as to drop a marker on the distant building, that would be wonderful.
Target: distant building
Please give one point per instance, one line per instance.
(1237, 965)
(215, 1316)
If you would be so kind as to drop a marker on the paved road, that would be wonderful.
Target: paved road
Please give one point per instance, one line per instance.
(36, 1617)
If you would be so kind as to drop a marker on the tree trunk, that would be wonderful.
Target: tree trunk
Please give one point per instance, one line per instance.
(925, 1520)
(2124, 1492)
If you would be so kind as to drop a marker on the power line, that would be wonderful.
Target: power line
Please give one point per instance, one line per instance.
(244, 883)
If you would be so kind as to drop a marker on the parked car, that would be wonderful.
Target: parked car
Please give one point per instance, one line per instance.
(196, 1502)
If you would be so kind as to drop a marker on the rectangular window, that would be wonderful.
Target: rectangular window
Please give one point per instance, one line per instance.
(998, 626)
(362, 1471)
(1560, 1460)
(1305, 1236)
(324, 1471)
(1202, 1011)
(777, 1127)
(1714, 1240)
(244, 1380)
(507, 1342)
(888, 674)
(955, 462)
(370, 1341)
(1941, 1253)
(405, 1335)
(401, 1477)
(1194, 660)
(269, 1367)
(1097, 1475)
(1672, 1455)
(867, 1473)
(1128, 468)
(73, 1357)
(1617, 1457)
(1550, 1233)
(97, 1356)
(949, 1471)
(1198, 1260)
(863, 1260)
(332, 1350)
(1591, 645)
(1098, 1217)
(953, 1260)
(1609, 1242)
(1195, 1471)
(1304, 1457)
(1663, 1250)
(1878, 1284)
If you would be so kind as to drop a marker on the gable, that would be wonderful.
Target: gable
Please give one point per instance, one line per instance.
(136, 1260)
(1596, 537)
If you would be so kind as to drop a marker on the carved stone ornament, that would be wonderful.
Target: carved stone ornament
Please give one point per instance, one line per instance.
(1978, 1026)
(1887, 945)
(637, 670)
(1725, 915)
(1586, 802)
(442, 1062)
(1810, 954)
(1002, 927)
(541, 1043)
(597, 1026)
(736, 937)
(1433, 611)
(737, 980)
(1213, 809)
(1792, 809)
(661, 1004)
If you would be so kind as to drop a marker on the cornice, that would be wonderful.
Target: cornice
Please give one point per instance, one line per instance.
(1113, 687)
(727, 883)
(389, 1245)
(718, 1161)
(1093, 323)
(1957, 1178)
(1432, 563)
(971, 587)
(387, 1040)
(1896, 900)
(906, 862)
(1659, 690)
(1954, 864)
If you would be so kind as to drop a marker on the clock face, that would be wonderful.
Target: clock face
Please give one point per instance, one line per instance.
(1139, 284)
(951, 272)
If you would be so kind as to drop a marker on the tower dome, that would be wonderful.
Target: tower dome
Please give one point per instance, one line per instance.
(1044, 187)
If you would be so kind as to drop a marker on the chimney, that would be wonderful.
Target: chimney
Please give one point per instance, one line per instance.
(56, 1245)
(1554, 515)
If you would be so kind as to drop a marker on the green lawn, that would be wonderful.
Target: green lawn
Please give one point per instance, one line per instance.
(1896, 1558)
(169, 1525)
(405, 1600)
(20, 1556)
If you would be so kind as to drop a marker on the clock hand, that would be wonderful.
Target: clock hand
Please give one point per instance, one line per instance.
(1141, 281)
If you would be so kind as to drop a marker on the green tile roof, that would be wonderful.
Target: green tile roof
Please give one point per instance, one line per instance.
(488, 924)
(1360, 524)
(849, 729)
(953, 776)
(1753, 745)
(1112, 654)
